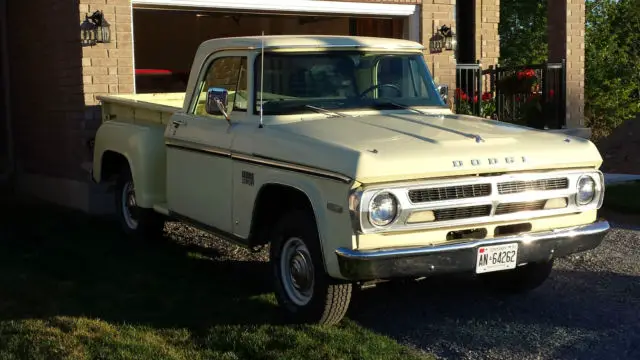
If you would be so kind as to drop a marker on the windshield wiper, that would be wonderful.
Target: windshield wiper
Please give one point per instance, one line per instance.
(325, 111)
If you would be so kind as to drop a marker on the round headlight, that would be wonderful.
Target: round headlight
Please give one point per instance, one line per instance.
(383, 209)
(586, 190)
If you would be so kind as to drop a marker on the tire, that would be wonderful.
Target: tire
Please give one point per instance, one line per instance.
(519, 280)
(311, 296)
(136, 222)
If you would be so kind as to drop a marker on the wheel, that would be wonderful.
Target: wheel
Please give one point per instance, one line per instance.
(303, 289)
(135, 221)
(519, 280)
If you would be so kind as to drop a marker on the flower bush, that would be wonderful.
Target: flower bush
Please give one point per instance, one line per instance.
(521, 100)
(466, 103)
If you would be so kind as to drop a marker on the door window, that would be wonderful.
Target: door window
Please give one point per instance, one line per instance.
(228, 73)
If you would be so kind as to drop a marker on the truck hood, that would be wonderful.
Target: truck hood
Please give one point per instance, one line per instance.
(391, 147)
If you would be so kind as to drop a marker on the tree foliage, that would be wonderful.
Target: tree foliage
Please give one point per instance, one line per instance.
(523, 32)
(612, 69)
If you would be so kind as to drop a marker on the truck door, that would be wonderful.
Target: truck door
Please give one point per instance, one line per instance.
(199, 165)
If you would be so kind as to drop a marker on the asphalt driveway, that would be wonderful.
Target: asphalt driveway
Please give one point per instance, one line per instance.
(588, 309)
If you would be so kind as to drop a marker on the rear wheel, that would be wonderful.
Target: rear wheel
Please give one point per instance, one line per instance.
(135, 221)
(303, 289)
(519, 280)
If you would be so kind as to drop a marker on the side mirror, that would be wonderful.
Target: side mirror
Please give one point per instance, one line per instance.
(217, 100)
(443, 90)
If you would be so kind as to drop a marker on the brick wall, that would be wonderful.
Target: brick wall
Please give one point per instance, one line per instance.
(487, 40)
(54, 80)
(45, 60)
(566, 29)
(107, 68)
(436, 13)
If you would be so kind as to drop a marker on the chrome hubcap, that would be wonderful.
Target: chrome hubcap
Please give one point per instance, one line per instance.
(129, 206)
(297, 271)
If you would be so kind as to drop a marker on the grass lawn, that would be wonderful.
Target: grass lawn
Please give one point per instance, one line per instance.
(623, 197)
(72, 288)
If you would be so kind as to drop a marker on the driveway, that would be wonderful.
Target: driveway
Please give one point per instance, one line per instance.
(588, 309)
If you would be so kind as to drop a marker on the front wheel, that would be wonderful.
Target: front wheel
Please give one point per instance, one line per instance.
(519, 280)
(135, 221)
(303, 289)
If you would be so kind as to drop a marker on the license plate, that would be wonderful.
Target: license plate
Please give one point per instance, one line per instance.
(496, 258)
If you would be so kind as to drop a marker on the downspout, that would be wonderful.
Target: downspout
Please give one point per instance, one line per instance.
(4, 43)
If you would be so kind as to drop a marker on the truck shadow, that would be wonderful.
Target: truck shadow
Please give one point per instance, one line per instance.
(576, 314)
(56, 262)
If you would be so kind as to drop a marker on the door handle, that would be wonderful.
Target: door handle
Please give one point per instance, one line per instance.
(178, 122)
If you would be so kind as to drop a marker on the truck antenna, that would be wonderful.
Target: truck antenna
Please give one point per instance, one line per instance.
(261, 79)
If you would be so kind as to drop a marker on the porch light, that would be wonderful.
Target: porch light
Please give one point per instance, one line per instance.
(450, 42)
(95, 29)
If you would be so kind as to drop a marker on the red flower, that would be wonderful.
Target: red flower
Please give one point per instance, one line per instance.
(528, 73)
(461, 95)
(487, 96)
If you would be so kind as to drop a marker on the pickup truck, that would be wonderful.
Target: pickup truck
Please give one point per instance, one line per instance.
(340, 155)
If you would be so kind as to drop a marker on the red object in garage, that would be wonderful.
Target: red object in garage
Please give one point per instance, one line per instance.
(160, 80)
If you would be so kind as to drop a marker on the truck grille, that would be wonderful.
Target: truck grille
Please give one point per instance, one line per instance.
(462, 212)
(514, 187)
(511, 208)
(476, 200)
(449, 193)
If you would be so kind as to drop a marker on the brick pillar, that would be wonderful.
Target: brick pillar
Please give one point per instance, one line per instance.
(436, 13)
(487, 38)
(107, 68)
(565, 34)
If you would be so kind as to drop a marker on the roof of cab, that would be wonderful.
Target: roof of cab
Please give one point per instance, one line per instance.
(309, 41)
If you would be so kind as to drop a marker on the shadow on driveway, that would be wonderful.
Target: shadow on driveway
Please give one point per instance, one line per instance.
(55, 262)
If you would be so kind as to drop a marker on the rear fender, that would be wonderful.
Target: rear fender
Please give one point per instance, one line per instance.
(144, 150)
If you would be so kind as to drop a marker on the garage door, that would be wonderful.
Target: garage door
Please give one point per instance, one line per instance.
(158, 70)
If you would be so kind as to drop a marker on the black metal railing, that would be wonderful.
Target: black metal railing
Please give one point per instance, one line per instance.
(531, 95)
(468, 87)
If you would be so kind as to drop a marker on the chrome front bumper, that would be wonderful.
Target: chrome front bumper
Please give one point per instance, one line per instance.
(461, 257)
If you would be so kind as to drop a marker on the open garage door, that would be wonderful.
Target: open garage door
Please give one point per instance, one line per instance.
(163, 56)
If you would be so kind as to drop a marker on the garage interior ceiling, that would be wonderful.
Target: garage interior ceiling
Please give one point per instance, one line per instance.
(289, 6)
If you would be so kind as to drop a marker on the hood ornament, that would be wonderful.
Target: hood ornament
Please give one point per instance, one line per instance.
(478, 138)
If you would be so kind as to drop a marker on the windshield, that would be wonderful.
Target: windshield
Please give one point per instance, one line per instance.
(342, 80)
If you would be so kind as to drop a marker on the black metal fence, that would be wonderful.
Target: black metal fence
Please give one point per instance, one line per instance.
(531, 95)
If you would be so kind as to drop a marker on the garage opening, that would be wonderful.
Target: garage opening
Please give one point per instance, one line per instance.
(165, 41)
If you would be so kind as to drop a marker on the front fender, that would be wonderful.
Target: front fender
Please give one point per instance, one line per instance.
(334, 227)
(144, 149)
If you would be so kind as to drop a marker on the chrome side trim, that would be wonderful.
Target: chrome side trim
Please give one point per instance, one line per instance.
(576, 231)
(190, 146)
(285, 165)
(257, 159)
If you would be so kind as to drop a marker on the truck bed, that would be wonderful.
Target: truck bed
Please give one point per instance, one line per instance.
(141, 108)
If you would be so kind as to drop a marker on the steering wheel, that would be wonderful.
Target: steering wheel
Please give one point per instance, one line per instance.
(379, 86)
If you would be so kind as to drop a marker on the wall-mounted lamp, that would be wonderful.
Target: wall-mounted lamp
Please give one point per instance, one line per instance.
(450, 42)
(95, 29)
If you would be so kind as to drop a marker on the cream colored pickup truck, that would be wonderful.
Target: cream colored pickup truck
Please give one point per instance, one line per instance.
(340, 154)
